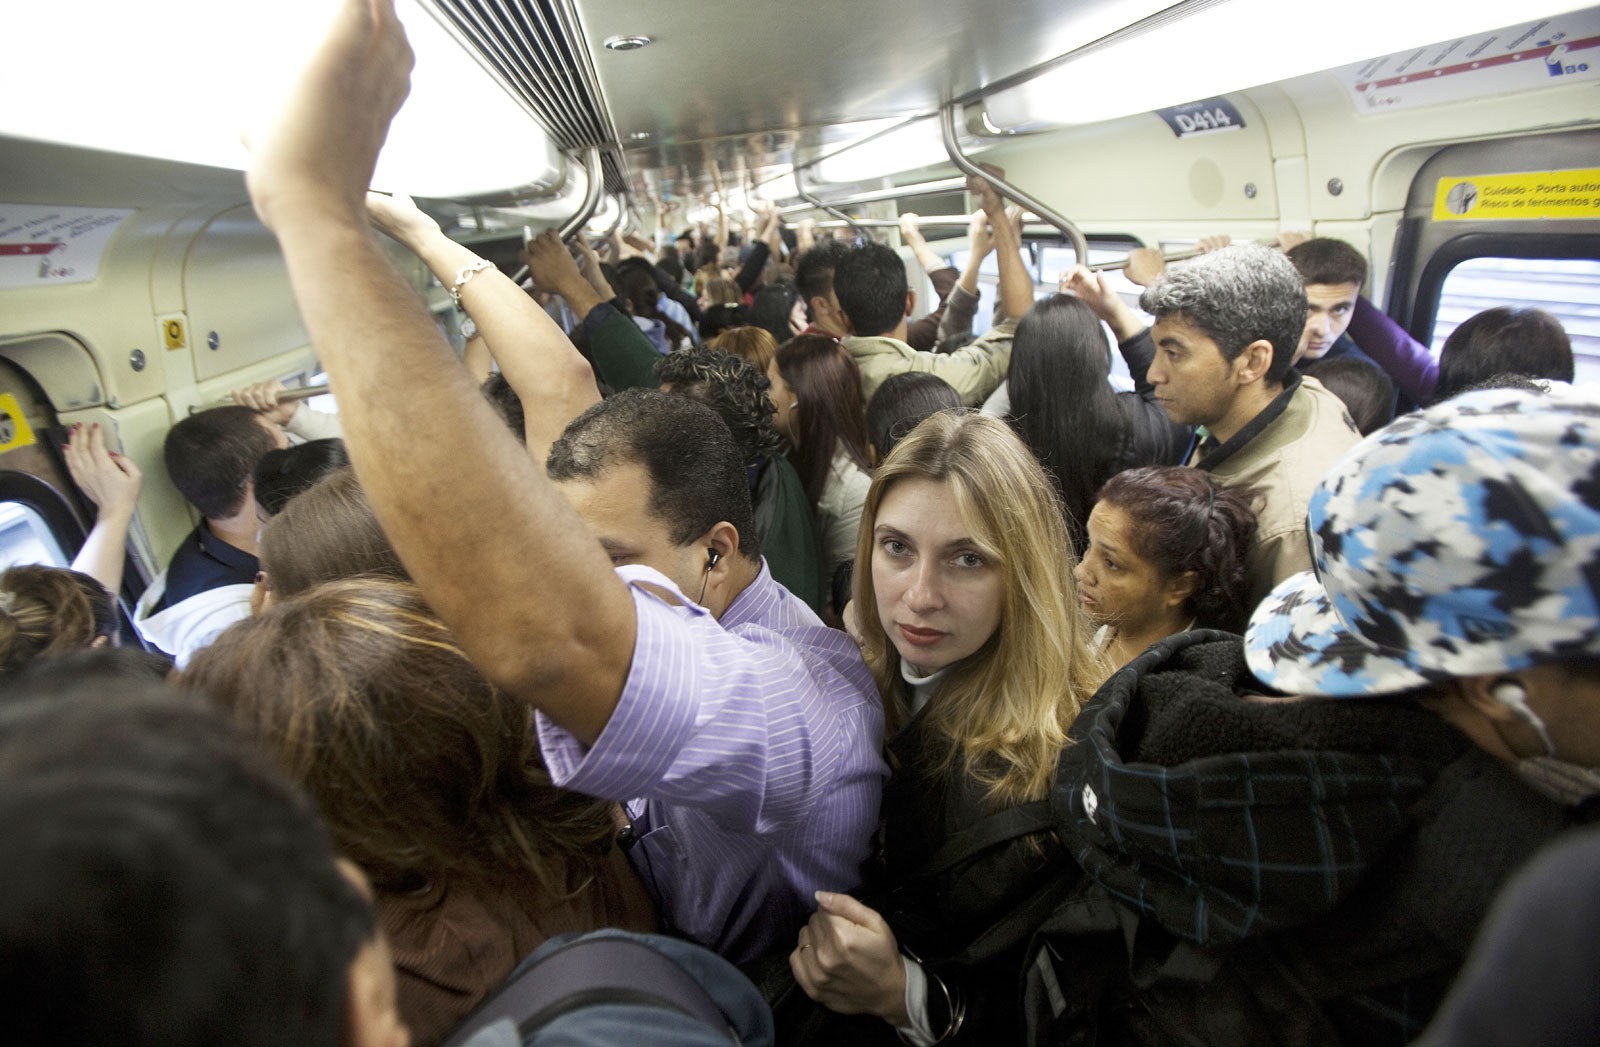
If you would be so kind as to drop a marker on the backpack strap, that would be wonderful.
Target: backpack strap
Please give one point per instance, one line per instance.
(595, 971)
(989, 831)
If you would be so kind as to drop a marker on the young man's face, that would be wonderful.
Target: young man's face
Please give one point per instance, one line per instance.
(1330, 307)
(1193, 382)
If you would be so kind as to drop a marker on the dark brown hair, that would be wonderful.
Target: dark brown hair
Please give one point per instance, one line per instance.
(422, 769)
(827, 385)
(324, 533)
(1183, 520)
(48, 611)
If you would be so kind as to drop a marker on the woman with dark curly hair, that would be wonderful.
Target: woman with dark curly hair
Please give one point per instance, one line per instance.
(1166, 554)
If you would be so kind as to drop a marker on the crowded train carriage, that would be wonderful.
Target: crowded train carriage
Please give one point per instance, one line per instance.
(1039, 523)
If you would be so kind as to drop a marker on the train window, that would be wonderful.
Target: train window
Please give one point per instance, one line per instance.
(25, 538)
(1567, 288)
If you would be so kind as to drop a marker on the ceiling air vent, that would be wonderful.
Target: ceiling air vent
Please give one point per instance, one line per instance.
(537, 49)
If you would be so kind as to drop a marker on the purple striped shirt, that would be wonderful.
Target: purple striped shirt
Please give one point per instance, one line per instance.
(749, 755)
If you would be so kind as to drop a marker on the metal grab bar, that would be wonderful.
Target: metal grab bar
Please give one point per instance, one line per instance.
(808, 197)
(947, 125)
(1176, 256)
(592, 192)
(943, 185)
(303, 393)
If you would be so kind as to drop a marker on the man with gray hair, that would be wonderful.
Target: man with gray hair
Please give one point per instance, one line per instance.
(1220, 358)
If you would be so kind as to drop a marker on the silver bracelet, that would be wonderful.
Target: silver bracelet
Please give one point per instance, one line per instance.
(464, 276)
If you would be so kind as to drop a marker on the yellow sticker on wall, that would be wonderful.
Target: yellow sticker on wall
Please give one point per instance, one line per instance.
(1540, 194)
(14, 429)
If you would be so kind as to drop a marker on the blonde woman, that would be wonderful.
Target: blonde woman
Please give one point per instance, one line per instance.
(969, 622)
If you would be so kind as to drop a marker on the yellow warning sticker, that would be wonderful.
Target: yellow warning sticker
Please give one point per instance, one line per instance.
(14, 429)
(172, 331)
(1541, 194)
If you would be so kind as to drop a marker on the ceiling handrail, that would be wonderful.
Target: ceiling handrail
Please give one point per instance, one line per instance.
(952, 146)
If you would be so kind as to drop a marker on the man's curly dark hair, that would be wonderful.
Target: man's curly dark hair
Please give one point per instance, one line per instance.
(731, 386)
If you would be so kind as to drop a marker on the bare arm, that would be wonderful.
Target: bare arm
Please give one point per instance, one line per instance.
(911, 236)
(552, 378)
(1016, 285)
(805, 235)
(487, 544)
(111, 481)
(1105, 302)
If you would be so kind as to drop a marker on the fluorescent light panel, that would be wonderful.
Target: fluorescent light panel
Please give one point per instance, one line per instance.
(182, 79)
(1239, 44)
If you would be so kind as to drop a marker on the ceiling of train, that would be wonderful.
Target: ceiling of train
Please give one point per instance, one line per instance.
(755, 84)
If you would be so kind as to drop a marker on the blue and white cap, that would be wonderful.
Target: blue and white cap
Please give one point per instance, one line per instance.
(1461, 540)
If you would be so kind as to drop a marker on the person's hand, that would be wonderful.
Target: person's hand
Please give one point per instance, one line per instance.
(848, 961)
(979, 235)
(312, 162)
(550, 265)
(401, 218)
(1093, 288)
(1207, 244)
(910, 232)
(263, 397)
(1145, 265)
(988, 196)
(1289, 241)
(108, 479)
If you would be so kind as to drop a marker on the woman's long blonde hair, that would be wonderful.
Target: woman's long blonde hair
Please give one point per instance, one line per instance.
(1006, 709)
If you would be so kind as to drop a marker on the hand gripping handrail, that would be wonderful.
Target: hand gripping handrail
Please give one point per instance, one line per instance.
(947, 125)
(593, 190)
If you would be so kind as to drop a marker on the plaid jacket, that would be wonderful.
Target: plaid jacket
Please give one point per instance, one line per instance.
(1270, 872)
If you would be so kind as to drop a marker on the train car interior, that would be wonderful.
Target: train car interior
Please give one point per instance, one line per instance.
(139, 286)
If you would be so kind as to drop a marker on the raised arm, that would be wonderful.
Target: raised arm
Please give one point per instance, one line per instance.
(622, 355)
(1016, 284)
(476, 522)
(111, 481)
(553, 380)
(1133, 338)
(1391, 347)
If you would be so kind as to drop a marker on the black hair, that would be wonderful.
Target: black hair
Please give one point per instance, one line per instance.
(639, 288)
(1183, 520)
(771, 308)
(1367, 392)
(902, 402)
(696, 471)
(1063, 406)
(731, 386)
(284, 472)
(164, 883)
(1237, 296)
(671, 264)
(1520, 341)
(504, 399)
(721, 317)
(211, 455)
(1324, 260)
(870, 283)
(813, 270)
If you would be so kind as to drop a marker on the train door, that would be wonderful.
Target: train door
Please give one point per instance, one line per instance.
(1512, 221)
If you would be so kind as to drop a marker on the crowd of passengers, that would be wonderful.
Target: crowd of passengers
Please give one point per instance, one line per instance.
(948, 690)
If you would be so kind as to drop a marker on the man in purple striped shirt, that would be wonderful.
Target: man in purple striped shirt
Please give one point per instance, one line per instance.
(754, 740)
(746, 742)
